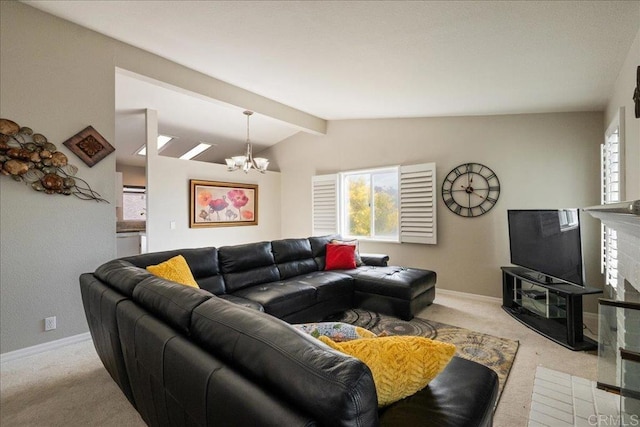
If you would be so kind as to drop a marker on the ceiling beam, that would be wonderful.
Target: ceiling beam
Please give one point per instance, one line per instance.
(147, 66)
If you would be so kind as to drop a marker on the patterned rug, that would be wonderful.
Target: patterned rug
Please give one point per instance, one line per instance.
(494, 352)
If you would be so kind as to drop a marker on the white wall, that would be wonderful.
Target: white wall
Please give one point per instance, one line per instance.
(542, 161)
(168, 200)
(622, 97)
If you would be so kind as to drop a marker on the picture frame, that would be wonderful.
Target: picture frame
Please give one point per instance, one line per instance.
(89, 146)
(222, 204)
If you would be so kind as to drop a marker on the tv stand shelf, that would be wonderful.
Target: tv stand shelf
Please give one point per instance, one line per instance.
(551, 308)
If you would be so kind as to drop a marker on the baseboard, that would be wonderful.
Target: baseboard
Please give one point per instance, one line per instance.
(468, 295)
(41, 348)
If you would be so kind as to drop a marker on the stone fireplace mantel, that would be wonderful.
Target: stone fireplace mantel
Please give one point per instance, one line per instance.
(624, 217)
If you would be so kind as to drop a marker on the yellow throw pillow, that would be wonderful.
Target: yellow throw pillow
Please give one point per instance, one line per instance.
(175, 269)
(401, 365)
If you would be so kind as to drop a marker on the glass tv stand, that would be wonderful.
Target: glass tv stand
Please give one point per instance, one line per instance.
(553, 309)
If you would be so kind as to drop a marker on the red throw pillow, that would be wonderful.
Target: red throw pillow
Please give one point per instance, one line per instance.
(340, 257)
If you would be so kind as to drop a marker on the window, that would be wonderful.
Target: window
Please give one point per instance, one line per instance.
(370, 204)
(387, 204)
(612, 191)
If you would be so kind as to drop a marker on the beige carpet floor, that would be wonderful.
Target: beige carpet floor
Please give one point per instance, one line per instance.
(484, 315)
(69, 387)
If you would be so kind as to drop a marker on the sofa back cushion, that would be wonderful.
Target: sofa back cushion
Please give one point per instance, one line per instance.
(203, 263)
(293, 257)
(247, 265)
(122, 275)
(170, 301)
(336, 389)
(319, 248)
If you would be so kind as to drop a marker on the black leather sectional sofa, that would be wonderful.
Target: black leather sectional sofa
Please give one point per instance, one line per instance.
(226, 355)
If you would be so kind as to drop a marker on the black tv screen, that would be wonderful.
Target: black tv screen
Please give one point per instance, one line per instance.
(548, 242)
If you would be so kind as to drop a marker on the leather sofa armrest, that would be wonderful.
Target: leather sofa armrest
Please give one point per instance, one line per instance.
(378, 260)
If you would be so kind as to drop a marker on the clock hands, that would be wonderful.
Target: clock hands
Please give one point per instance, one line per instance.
(482, 197)
(470, 190)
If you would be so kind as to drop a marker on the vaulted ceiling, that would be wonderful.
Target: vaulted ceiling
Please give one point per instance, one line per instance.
(374, 59)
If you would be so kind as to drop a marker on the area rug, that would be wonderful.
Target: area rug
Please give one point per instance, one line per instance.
(494, 352)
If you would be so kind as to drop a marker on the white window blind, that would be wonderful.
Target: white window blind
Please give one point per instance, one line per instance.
(418, 204)
(324, 195)
(611, 191)
(416, 210)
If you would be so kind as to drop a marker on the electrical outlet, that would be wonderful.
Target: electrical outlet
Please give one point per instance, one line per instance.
(50, 323)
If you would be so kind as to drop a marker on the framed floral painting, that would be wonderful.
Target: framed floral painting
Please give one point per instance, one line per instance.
(222, 204)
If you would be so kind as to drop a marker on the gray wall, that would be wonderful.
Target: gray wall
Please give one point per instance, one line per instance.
(542, 161)
(57, 78)
(132, 175)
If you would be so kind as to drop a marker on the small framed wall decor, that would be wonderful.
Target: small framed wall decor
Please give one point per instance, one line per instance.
(89, 145)
(222, 204)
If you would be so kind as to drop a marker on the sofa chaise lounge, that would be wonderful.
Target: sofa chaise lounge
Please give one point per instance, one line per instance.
(226, 354)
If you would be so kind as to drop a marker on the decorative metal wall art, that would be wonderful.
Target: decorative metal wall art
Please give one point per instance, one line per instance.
(29, 157)
(89, 145)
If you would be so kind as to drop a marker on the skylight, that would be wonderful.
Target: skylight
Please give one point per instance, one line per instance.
(162, 141)
(195, 151)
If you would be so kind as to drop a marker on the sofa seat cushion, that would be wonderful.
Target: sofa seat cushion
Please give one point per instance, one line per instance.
(463, 394)
(398, 282)
(328, 284)
(280, 298)
(242, 301)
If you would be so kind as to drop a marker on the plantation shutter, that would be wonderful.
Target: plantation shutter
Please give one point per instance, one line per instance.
(324, 196)
(418, 203)
(612, 191)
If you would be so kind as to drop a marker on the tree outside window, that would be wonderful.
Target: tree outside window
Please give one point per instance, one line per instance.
(371, 204)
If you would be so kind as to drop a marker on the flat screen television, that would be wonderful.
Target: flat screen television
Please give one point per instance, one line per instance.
(548, 242)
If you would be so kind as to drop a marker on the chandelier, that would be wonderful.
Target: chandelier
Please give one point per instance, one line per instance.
(247, 161)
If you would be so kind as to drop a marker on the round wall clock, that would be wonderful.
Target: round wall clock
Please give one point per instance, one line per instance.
(470, 190)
